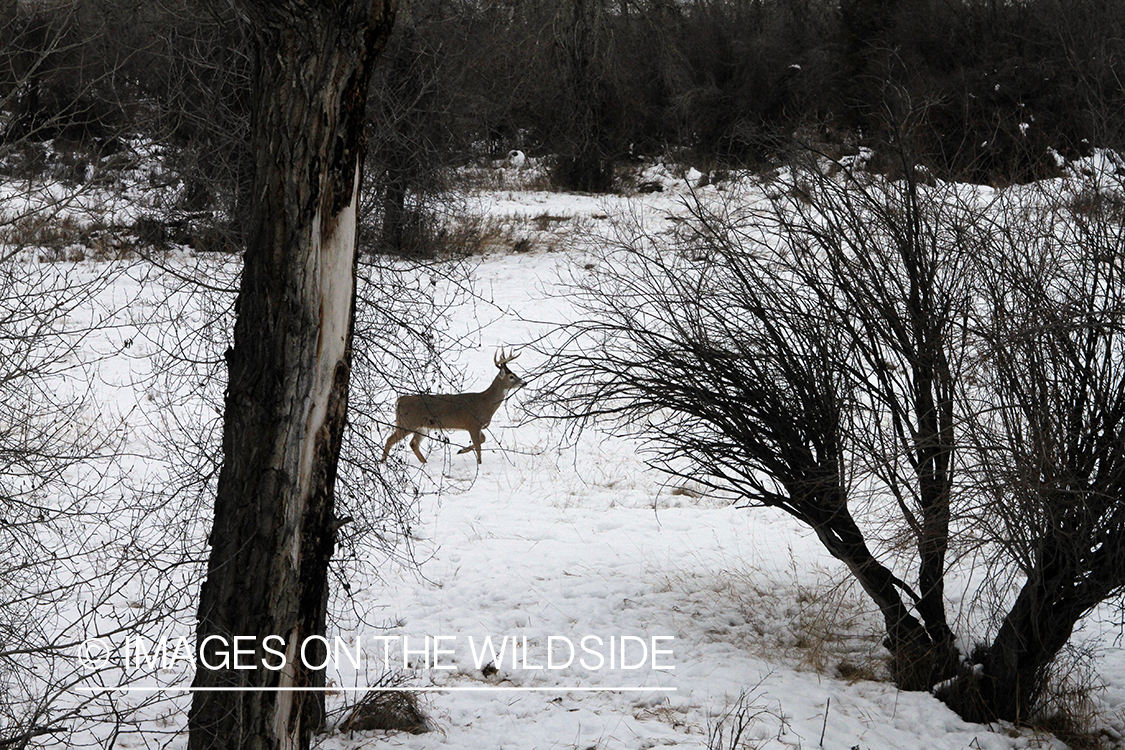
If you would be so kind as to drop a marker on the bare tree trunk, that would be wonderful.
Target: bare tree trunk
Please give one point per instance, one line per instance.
(1014, 667)
(286, 401)
(1054, 473)
(394, 215)
(908, 641)
(931, 400)
(905, 338)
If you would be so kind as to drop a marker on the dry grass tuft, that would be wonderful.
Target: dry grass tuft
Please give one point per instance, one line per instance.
(64, 239)
(495, 177)
(429, 235)
(45, 232)
(1099, 203)
(1067, 708)
(387, 710)
(826, 626)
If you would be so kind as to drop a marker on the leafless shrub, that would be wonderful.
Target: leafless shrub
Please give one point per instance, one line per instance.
(910, 371)
(734, 728)
(81, 555)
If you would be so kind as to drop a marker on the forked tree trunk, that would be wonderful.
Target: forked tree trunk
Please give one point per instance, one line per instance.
(274, 528)
(911, 648)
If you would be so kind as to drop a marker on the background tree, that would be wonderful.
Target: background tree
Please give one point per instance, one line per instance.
(581, 31)
(403, 147)
(196, 86)
(423, 119)
(289, 368)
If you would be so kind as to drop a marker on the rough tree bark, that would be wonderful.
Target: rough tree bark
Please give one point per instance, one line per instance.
(274, 528)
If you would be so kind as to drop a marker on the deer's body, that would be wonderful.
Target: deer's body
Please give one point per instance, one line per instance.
(417, 414)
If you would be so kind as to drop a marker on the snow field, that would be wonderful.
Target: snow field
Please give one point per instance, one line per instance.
(549, 537)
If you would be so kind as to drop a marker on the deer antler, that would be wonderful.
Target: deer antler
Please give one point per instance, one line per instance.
(502, 359)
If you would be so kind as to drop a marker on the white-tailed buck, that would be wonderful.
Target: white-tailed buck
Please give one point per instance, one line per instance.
(416, 415)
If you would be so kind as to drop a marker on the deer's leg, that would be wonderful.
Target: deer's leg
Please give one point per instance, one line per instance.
(397, 435)
(478, 438)
(416, 444)
(469, 447)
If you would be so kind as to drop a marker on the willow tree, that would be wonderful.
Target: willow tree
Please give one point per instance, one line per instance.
(911, 371)
(275, 527)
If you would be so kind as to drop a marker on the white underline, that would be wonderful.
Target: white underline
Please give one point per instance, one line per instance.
(430, 689)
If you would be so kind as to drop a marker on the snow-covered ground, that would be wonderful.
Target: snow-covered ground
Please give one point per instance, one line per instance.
(548, 540)
(683, 602)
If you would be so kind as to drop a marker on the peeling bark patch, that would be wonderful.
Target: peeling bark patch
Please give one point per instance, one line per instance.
(284, 713)
(333, 265)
